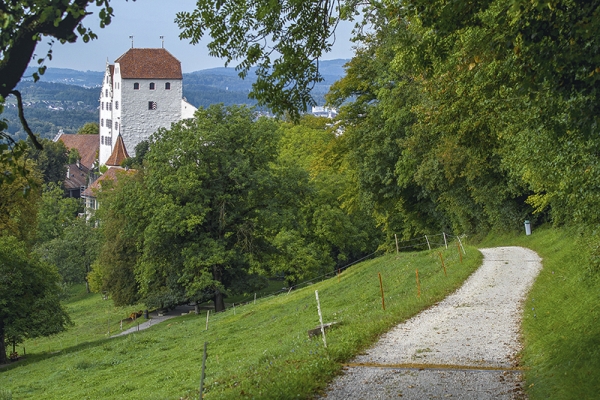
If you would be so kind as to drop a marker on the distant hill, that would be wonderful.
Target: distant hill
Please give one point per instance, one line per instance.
(88, 79)
(67, 99)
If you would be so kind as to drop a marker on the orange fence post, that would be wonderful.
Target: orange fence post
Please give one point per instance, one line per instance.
(443, 265)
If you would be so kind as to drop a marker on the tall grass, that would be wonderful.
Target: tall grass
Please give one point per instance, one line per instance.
(561, 329)
(259, 350)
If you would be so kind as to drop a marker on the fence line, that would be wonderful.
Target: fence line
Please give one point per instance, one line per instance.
(425, 241)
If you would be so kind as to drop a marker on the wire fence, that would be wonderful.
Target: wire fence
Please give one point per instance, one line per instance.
(422, 243)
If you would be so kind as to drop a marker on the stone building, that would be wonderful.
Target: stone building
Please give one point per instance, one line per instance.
(141, 92)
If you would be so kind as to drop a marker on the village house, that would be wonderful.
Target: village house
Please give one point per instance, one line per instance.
(79, 174)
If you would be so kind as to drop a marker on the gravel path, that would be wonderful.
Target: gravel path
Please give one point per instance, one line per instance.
(155, 318)
(464, 347)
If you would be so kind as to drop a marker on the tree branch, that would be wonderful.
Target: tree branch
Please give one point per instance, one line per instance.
(32, 137)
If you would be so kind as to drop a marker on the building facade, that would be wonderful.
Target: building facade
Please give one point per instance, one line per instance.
(141, 93)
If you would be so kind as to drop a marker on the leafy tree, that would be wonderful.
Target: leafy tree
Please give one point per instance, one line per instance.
(51, 160)
(90, 128)
(122, 215)
(140, 153)
(74, 156)
(55, 213)
(312, 231)
(29, 296)
(74, 252)
(19, 198)
(284, 39)
(210, 180)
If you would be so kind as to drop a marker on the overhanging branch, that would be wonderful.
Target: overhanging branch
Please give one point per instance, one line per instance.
(32, 137)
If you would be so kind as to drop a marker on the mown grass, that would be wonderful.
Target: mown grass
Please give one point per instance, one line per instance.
(561, 326)
(261, 350)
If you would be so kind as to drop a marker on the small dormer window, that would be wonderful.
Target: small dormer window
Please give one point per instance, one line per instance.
(136, 86)
(152, 86)
(168, 86)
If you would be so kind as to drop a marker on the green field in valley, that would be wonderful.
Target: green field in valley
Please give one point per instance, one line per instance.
(259, 350)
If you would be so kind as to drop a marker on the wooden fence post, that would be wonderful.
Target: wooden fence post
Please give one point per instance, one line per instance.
(443, 265)
(381, 286)
(203, 370)
(320, 318)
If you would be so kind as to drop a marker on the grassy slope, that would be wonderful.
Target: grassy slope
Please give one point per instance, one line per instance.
(561, 329)
(261, 351)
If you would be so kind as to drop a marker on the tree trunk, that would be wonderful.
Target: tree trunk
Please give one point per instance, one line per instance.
(219, 301)
(3, 359)
(218, 297)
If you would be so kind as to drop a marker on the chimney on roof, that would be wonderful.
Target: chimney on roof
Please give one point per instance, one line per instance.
(162, 39)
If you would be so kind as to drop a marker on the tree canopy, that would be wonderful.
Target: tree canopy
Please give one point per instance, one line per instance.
(29, 296)
(222, 202)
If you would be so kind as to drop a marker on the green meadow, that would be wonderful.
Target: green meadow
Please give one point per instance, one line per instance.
(259, 350)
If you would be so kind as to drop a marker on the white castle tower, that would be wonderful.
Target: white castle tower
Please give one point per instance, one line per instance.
(141, 92)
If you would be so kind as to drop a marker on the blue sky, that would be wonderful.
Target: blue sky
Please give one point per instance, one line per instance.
(146, 21)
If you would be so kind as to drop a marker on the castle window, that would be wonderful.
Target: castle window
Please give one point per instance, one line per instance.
(102, 105)
(168, 86)
(106, 93)
(136, 86)
(116, 105)
(109, 123)
(102, 139)
(102, 122)
(152, 87)
(116, 126)
(109, 106)
(151, 105)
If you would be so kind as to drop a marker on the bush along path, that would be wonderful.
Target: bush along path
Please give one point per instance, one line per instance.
(464, 347)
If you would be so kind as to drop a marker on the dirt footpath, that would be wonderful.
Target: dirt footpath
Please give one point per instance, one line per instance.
(465, 347)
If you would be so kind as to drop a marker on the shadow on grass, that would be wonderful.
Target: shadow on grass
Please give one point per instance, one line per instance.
(37, 357)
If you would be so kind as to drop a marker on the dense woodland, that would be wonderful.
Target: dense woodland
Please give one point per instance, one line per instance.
(455, 116)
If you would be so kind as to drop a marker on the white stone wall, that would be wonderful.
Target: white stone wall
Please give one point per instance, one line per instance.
(187, 110)
(106, 114)
(137, 120)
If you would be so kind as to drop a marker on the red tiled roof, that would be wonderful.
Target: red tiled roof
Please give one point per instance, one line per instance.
(149, 64)
(86, 145)
(119, 153)
(111, 174)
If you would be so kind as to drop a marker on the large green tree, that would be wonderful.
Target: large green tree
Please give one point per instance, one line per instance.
(210, 179)
(313, 231)
(29, 296)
